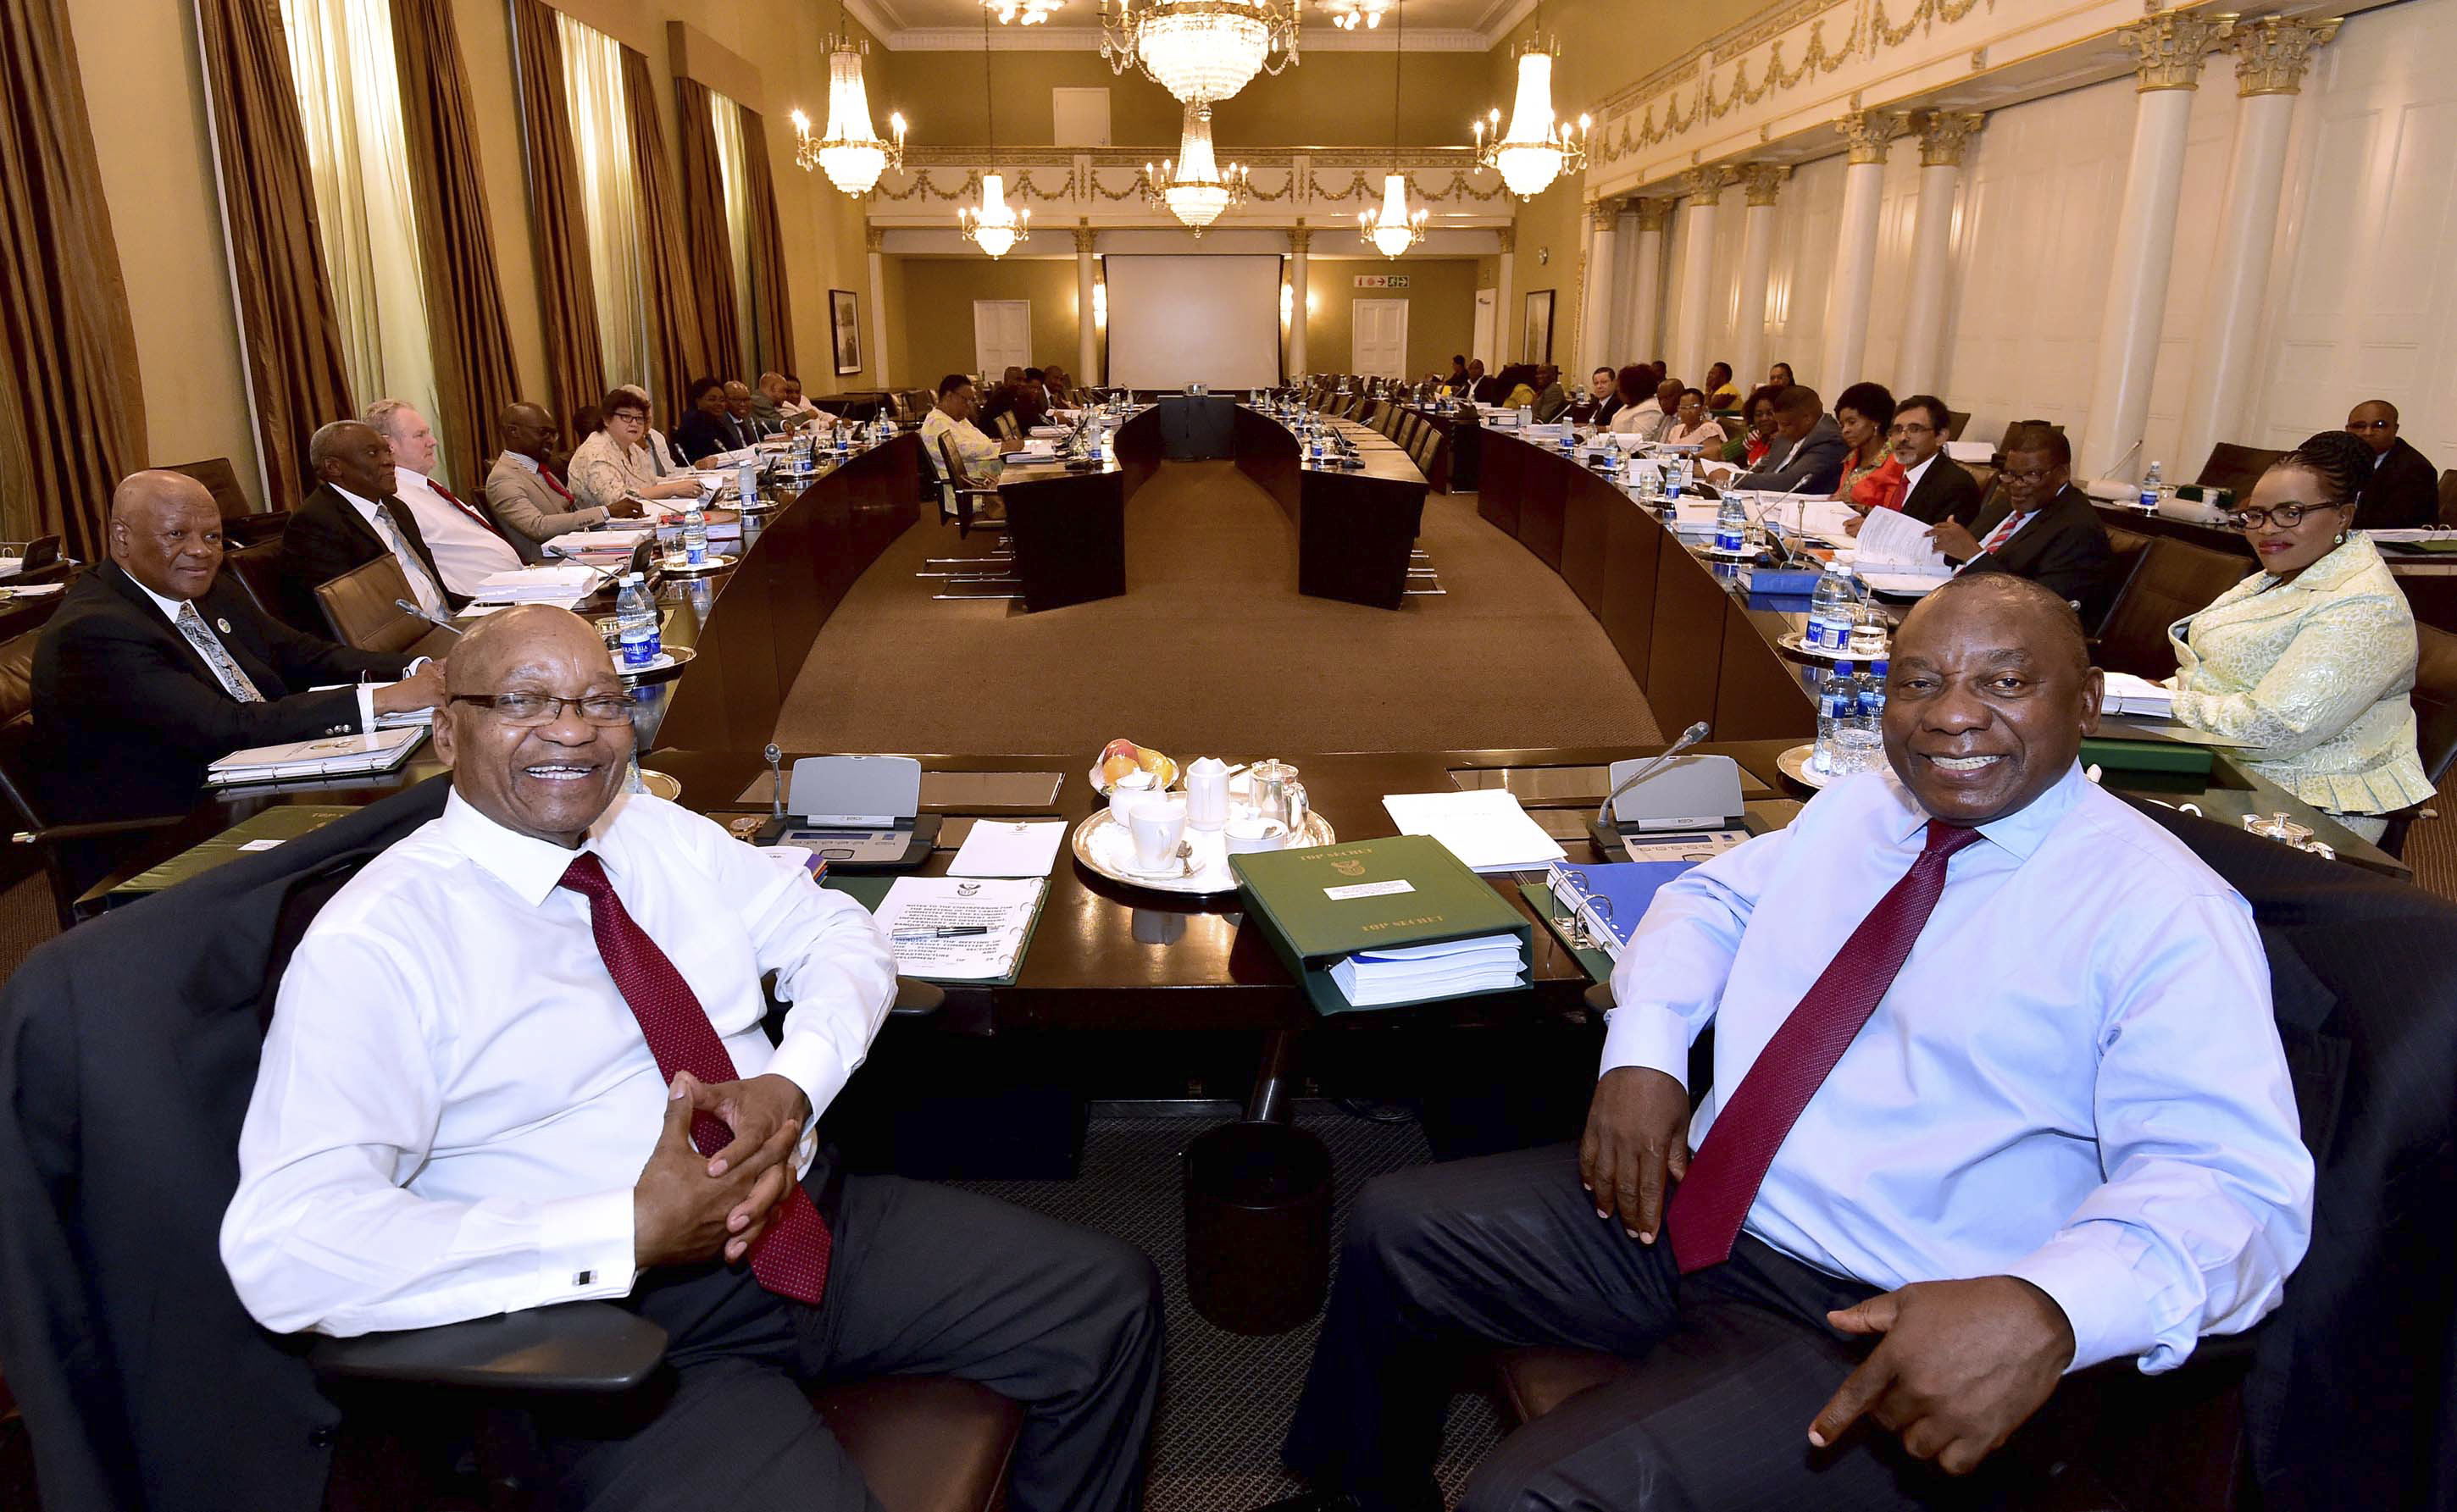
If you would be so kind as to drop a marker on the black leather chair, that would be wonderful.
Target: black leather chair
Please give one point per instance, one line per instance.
(2174, 579)
(240, 523)
(2435, 723)
(258, 571)
(2236, 468)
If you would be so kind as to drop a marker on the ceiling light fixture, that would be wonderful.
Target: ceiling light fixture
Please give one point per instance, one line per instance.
(1201, 50)
(1195, 189)
(851, 154)
(1032, 11)
(1350, 14)
(1536, 150)
(993, 225)
(1392, 230)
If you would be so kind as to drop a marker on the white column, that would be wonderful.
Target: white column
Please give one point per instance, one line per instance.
(1506, 319)
(1706, 190)
(1855, 252)
(1087, 342)
(1764, 185)
(2169, 48)
(872, 238)
(1942, 134)
(1299, 240)
(2270, 57)
(1595, 319)
(1646, 297)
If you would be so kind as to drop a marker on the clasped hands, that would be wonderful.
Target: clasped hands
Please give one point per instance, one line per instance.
(1958, 1365)
(688, 1207)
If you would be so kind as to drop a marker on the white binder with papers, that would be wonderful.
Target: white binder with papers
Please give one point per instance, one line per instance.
(332, 756)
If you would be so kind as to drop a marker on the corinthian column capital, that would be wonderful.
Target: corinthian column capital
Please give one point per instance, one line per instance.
(1764, 181)
(1871, 132)
(2271, 54)
(2168, 49)
(1942, 134)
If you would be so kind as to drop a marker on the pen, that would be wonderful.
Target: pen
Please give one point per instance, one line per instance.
(943, 933)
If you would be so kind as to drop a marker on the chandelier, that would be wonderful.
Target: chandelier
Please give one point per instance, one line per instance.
(1033, 11)
(993, 225)
(1350, 14)
(851, 154)
(1391, 230)
(1195, 188)
(1200, 50)
(1534, 151)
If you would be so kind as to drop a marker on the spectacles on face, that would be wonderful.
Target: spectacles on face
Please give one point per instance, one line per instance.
(2286, 516)
(2031, 478)
(1903, 428)
(2371, 425)
(529, 710)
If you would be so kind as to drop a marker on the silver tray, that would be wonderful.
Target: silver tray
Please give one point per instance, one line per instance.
(1794, 765)
(674, 567)
(1210, 878)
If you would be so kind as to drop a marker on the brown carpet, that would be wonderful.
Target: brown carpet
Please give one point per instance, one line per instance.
(1211, 648)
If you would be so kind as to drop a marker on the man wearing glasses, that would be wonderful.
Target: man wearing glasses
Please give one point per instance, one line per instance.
(2040, 527)
(2404, 492)
(1935, 487)
(519, 1059)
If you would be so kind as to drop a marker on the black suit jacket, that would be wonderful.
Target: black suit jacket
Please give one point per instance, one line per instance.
(128, 1050)
(2065, 548)
(2404, 492)
(327, 537)
(127, 715)
(1946, 490)
(702, 436)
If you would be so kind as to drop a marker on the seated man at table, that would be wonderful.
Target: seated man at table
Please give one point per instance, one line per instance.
(1551, 397)
(1997, 1095)
(576, 1099)
(2403, 490)
(1456, 381)
(2041, 527)
(1807, 455)
(532, 506)
(155, 668)
(467, 545)
(351, 518)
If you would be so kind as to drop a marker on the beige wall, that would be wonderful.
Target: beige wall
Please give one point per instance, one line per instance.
(1442, 309)
(938, 309)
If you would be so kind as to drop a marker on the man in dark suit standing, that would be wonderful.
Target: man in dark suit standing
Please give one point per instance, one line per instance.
(2404, 492)
(350, 520)
(1937, 487)
(2044, 529)
(153, 667)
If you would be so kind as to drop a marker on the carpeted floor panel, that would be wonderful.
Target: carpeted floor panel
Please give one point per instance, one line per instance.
(1226, 1397)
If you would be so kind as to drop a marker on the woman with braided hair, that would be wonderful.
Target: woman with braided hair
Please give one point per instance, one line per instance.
(2305, 666)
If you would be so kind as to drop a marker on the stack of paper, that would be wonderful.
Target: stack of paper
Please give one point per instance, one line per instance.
(1489, 963)
(1895, 555)
(1484, 826)
(333, 756)
(613, 539)
(2127, 694)
(1009, 848)
(566, 585)
(954, 929)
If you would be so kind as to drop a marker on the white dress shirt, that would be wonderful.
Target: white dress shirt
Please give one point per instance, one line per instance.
(2075, 1079)
(422, 585)
(1912, 475)
(464, 551)
(171, 609)
(454, 1102)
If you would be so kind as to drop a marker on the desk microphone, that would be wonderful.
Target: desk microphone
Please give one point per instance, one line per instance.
(436, 619)
(564, 553)
(775, 783)
(2121, 457)
(1688, 737)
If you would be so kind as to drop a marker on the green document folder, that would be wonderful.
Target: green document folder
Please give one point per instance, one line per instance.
(276, 823)
(2116, 754)
(1319, 907)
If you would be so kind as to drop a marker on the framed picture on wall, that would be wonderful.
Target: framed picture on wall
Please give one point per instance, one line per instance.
(1537, 346)
(844, 324)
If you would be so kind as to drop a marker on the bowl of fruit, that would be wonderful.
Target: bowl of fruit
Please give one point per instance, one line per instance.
(1127, 768)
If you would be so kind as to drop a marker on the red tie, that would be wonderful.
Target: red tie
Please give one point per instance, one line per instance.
(1711, 1202)
(791, 1257)
(474, 513)
(2003, 533)
(560, 492)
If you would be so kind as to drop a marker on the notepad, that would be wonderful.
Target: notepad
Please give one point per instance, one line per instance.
(1008, 848)
(916, 908)
(1484, 826)
(332, 756)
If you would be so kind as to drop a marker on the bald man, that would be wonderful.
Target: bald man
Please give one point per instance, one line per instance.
(153, 667)
(350, 519)
(530, 504)
(2404, 492)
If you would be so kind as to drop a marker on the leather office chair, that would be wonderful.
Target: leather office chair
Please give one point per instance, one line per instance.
(967, 503)
(258, 571)
(2174, 578)
(2448, 497)
(2127, 550)
(362, 607)
(1954, 421)
(239, 523)
(2435, 723)
(2236, 468)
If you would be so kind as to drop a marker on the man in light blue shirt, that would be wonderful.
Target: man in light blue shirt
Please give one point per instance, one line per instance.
(2063, 1135)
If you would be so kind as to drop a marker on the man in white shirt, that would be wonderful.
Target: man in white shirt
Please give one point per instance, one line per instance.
(519, 1059)
(1997, 1095)
(467, 546)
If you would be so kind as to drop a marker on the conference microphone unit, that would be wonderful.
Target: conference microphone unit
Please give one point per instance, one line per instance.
(436, 619)
(1688, 737)
(775, 783)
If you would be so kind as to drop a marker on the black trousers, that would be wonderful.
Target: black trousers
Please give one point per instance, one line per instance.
(1445, 1260)
(923, 1281)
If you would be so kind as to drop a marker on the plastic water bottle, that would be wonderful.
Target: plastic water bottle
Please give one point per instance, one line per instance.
(1526, 417)
(636, 619)
(2152, 488)
(1732, 523)
(1834, 711)
(1872, 697)
(1314, 446)
(694, 534)
(1676, 476)
(746, 484)
(1831, 605)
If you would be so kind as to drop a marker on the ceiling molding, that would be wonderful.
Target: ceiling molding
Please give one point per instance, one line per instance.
(1087, 39)
(1501, 17)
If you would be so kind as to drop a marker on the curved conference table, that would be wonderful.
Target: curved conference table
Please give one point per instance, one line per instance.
(1111, 958)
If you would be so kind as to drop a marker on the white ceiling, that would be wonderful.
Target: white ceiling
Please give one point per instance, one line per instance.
(1434, 26)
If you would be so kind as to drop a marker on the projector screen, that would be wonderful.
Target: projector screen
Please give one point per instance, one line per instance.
(1176, 321)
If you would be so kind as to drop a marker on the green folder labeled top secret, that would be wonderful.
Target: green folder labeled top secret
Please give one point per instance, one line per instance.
(1382, 923)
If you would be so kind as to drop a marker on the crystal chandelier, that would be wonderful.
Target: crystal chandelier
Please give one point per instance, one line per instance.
(1350, 14)
(993, 225)
(1391, 230)
(851, 154)
(1536, 150)
(1195, 189)
(1032, 11)
(1200, 50)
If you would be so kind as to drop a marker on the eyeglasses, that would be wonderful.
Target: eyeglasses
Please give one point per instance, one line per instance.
(2032, 479)
(2371, 425)
(1911, 428)
(2287, 515)
(529, 710)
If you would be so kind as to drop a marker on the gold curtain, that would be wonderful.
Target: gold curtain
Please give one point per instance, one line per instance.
(707, 245)
(296, 368)
(71, 411)
(674, 319)
(474, 374)
(575, 361)
(771, 316)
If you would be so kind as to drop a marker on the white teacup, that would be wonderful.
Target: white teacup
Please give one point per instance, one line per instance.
(1158, 825)
(1250, 832)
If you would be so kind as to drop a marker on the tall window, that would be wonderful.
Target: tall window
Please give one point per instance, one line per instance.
(727, 117)
(342, 68)
(609, 200)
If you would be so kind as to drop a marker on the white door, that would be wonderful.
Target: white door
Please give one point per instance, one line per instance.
(1001, 337)
(1481, 348)
(1380, 345)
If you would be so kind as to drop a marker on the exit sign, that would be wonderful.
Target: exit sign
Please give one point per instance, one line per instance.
(1381, 281)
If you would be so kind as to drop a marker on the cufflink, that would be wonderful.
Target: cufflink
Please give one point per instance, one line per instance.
(583, 1277)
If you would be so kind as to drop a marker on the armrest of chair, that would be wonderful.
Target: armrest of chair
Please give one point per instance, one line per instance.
(52, 834)
(915, 998)
(569, 1347)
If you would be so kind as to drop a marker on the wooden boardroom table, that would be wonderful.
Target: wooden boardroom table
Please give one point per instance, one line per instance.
(1356, 528)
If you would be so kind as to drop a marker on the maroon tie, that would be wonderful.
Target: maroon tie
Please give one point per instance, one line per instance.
(1712, 1199)
(791, 1257)
(560, 492)
(456, 503)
